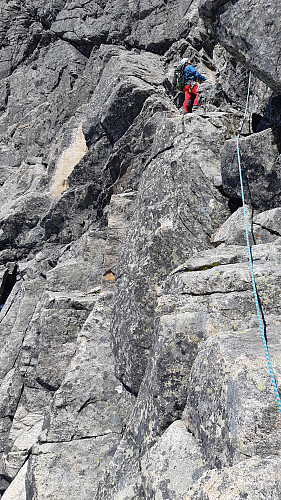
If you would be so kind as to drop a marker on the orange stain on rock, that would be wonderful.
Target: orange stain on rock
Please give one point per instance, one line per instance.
(109, 276)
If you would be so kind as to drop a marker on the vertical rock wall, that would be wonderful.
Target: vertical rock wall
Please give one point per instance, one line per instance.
(131, 365)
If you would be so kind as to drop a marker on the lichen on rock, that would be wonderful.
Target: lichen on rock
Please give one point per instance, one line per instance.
(131, 363)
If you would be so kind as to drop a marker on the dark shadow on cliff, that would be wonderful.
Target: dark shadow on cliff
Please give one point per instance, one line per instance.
(9, 280)
(270, 119)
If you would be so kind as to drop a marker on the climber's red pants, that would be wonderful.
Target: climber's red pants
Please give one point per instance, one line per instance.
(190, 92)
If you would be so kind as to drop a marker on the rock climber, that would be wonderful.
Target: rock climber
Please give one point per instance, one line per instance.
(191, 80)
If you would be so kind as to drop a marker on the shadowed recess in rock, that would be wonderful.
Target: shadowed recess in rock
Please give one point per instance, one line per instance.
(8, 281)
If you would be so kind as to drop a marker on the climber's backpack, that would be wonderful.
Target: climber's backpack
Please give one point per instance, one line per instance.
(178, 80)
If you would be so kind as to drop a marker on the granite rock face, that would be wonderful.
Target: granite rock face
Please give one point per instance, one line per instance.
(247, 34)
(244, 480)
(131, 364)
(261, 170)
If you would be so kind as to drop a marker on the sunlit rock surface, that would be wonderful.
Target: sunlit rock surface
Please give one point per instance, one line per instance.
(131, 362)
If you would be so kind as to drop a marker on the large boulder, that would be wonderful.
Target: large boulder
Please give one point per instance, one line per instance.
(231, 406)
(172, 465)
(247, 34)
(256, 478)
(260, 163)
(266, 225)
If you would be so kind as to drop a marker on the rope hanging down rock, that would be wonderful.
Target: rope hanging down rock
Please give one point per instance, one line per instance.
(261, 324)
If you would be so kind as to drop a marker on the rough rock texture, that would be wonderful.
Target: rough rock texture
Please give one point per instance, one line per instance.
(172, 464)
(261, 170)
(252, 479)
(131, 364)
(168, 216)
(247, 34)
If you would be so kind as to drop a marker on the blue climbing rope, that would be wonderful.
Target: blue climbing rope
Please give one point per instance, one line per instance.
(261, 324)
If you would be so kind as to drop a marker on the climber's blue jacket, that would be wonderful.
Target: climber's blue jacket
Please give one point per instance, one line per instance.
(191, 73)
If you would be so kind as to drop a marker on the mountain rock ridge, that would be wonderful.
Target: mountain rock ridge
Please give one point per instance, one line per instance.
(131, 365)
